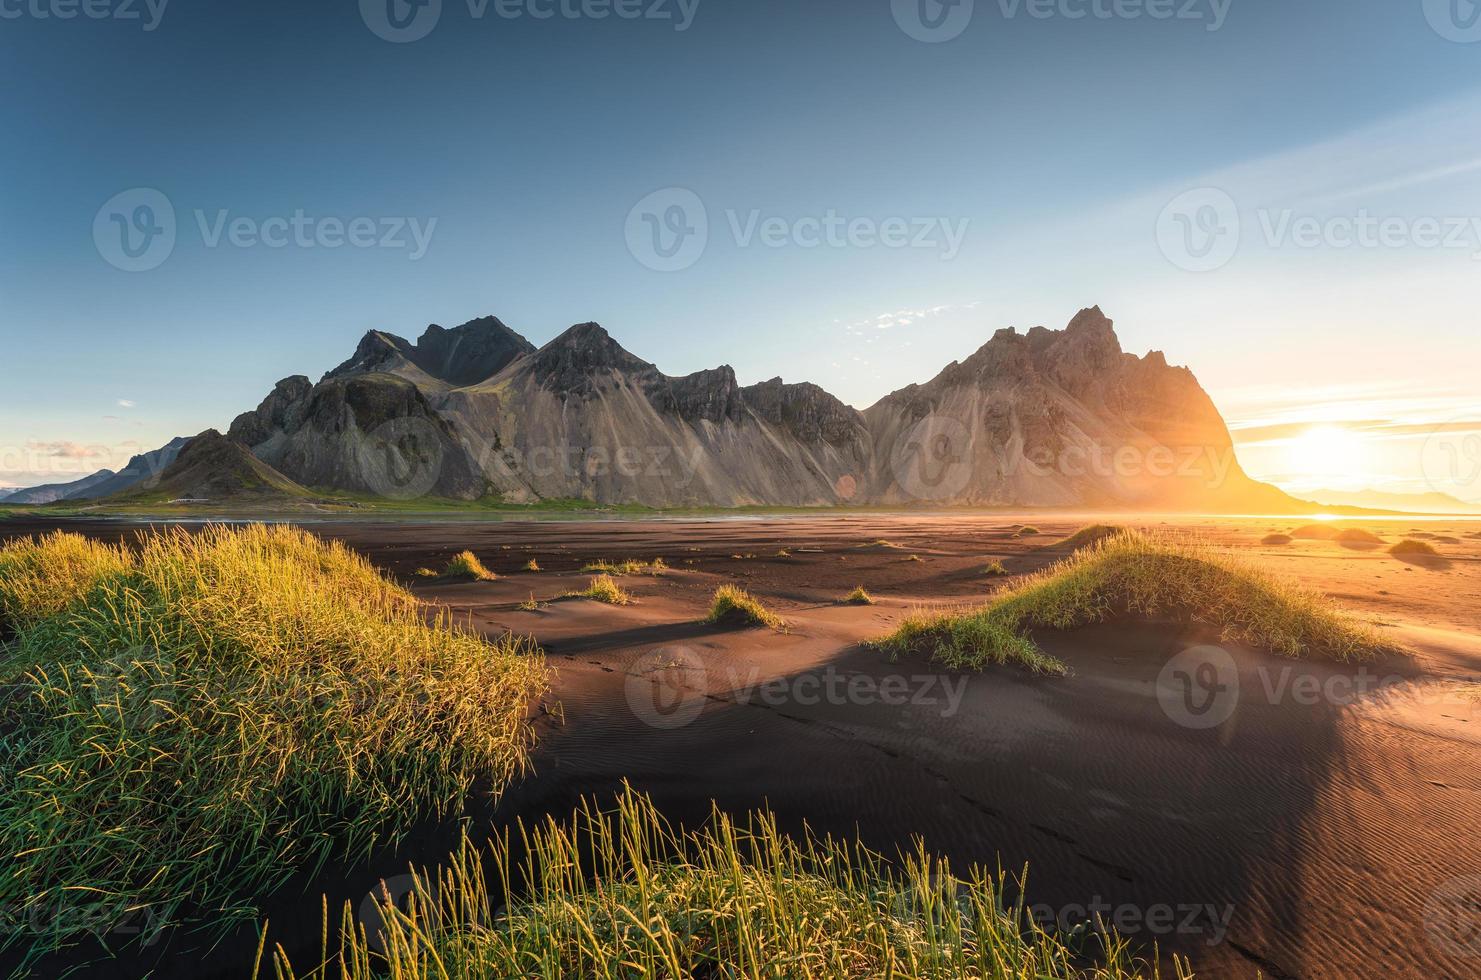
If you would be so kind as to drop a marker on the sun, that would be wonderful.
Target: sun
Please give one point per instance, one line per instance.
(1328, 451)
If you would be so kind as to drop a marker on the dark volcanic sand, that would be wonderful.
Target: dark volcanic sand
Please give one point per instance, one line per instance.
(1311, 834)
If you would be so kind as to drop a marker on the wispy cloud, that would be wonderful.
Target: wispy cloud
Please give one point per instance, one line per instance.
(67, 450)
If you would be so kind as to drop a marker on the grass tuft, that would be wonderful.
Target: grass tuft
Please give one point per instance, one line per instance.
(225, 708)
(1027, 531)
(41, 577)
(628, 567)
(1276, 539)
(736, 605)
(859, 597)
(465, 564)
(532, 565)
(994, 569)
(603, 588)
(1356, 535)
(1133, 574)
(624, 893)
(1409, 546)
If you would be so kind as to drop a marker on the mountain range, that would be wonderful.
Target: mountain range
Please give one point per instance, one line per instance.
(1046, 418)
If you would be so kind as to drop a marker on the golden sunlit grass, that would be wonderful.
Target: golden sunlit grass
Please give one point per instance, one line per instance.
(1027, 531)
(603, 588)
(1356, 535)
(39, 578)
(625, 895)
(736, 605)
(859, 597)
(532, 565)
(1089, 534)
(879, 544)
(217, 711)
(629, 567)
(465, 565)
(994, 569)
(1409, 546)
(1134, 574)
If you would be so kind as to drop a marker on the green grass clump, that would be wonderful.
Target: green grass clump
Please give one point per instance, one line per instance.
(1027, 531)
(626, 894)
(736, 605)
(603, 588)
(1409, 546)
(424, 573)
(994, 569)
(1088, 534)
(41, 577)
(225, 709)
(859, 597)
(465, 564)
(629, 567)
(1133, 574)
(532, 565)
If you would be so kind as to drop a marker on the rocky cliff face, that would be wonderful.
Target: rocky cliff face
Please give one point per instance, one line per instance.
(1046, 418)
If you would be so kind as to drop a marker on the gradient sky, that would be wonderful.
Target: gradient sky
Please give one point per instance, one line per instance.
(1058, 143)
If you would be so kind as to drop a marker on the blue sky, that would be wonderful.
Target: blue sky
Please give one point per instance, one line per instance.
(1050, 145)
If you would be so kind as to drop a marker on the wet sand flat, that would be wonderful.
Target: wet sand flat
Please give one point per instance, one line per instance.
(1297, 819)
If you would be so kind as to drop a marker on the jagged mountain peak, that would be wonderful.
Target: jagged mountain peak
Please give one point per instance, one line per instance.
(570, 362)
(463, 355)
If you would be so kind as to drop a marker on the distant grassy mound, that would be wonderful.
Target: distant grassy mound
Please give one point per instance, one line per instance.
(1356, 535)
(735, 899)
(466, 565)
(1409, 546)
(187, 725)
(1089, 534)
(631, 566)
(734, 605)
(1136, 575)
(1315, 532)
(1276, 539)
(1027, 531)
(994, 569)
(859, 597)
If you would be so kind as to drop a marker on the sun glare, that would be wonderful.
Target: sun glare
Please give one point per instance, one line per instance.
(1328, 451)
